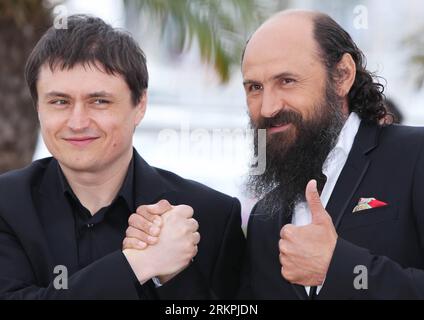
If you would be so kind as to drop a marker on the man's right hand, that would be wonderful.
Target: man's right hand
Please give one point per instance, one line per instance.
(145, 225)
(172, 253)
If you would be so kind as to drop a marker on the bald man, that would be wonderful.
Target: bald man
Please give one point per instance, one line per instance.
(341, 214)
(342, 211)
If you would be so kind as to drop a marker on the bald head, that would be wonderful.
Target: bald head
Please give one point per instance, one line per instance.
(288, 20)
(290, 30)
(307, 49)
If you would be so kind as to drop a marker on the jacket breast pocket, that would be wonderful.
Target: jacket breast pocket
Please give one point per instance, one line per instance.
(369, 217)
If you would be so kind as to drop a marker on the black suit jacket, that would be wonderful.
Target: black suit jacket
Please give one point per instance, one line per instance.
(384, 163)
(27, 259)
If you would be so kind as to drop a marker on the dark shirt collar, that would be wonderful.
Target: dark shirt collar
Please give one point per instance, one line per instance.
(126, 192)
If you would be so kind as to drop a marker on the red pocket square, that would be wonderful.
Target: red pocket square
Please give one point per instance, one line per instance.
(377, 203)
(368, 203)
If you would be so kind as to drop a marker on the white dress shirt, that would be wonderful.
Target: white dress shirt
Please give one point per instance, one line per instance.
(332, 168)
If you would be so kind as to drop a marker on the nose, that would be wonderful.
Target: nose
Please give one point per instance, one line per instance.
(271, 103)
(79, 119)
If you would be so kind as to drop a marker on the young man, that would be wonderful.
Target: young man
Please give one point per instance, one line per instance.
(70, 212)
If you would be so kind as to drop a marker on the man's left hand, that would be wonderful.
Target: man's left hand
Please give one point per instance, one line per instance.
(306, 251)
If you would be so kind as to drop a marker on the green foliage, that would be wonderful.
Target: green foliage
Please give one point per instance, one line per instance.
(220, 27)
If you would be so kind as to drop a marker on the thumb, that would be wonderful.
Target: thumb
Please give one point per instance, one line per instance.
(314, 202)
(159, 208)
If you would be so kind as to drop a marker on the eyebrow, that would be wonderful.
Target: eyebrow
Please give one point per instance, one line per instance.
(278, 76)
(96, 94)
(56, 94)
(245, 82)
(284, 75)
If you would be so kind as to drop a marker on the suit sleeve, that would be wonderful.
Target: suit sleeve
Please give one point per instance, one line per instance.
(192, 284)
(108, 278)
(386, 278)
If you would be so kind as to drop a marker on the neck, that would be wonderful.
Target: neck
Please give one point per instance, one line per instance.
(98, 189)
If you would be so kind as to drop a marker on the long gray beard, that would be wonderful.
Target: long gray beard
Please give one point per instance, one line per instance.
(288, 170)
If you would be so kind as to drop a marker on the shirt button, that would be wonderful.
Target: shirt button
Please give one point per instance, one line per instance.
(90, 225)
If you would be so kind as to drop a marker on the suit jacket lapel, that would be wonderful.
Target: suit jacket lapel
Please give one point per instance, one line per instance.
(30, 231)
(54, 210)
(149, 187)
(353, 172)
(351, 176)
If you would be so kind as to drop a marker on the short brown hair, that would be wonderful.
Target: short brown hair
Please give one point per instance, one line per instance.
(89, 40)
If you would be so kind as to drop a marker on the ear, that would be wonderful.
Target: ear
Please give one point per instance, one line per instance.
(141, 108)
(345, 72)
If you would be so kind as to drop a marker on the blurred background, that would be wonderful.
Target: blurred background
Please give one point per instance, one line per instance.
(196, 117)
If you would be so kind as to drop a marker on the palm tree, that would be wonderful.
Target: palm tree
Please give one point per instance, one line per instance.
(219, 27)
(21, 24)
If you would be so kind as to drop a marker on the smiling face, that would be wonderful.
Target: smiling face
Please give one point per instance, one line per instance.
(87, 117)
(290, 95)
(282, 72)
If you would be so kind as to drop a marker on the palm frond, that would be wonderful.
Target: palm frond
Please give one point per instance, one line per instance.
(219, 27)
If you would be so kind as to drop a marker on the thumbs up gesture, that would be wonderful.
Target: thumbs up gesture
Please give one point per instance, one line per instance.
(306, 251)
